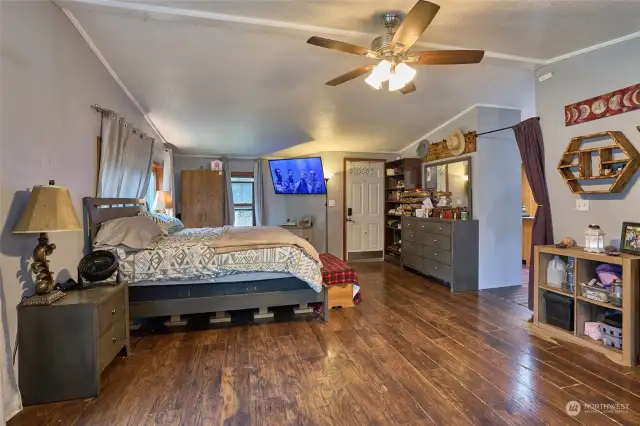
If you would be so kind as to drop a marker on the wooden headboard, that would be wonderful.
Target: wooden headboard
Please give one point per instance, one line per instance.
(99, 210)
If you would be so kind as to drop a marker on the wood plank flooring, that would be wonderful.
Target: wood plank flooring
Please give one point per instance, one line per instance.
(411, 354)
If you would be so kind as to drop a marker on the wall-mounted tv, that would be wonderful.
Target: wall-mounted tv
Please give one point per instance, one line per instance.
(298, 176)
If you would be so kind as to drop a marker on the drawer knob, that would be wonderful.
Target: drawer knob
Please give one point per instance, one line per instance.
(439, 229)
(423, 226)
(113, 312)
(435, 267)
(113, 340)
(435, 241)
(435, 253)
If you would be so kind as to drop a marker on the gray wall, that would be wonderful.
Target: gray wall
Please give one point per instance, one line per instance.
(181, 163)
(280, 207)
(49, 77)
(496, 181)
(576, 79)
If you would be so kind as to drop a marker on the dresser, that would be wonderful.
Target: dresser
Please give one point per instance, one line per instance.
(202, 198)
(443, 249)
(68, 344)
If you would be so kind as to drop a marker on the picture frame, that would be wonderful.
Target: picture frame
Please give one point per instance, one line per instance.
(630, 238)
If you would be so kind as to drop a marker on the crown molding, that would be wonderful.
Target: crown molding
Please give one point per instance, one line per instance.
(594, 47)
(112, 73)
(160, 11)
(452, 119)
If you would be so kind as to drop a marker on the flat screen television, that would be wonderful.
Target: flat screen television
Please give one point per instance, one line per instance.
(298, 176)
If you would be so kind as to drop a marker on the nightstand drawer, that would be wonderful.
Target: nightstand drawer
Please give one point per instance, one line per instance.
(111, 343)
(412, 261)
(111, 310)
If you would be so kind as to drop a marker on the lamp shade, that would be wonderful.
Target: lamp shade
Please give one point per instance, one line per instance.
(163, 201)
(49, 210)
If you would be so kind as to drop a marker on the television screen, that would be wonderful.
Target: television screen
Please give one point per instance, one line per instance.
(298, 176)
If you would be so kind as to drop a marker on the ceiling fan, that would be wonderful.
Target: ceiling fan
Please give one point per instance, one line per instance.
(392, 51)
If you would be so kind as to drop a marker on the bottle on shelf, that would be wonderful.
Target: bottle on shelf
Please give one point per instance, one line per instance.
(571, 275)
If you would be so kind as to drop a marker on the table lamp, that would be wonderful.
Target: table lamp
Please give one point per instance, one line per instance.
(162, 202)
(49, 210)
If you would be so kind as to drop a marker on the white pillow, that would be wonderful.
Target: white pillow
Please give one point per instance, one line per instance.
(168, 224)
(135, 232)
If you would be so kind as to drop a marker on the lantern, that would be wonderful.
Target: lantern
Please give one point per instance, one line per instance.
(594, 239)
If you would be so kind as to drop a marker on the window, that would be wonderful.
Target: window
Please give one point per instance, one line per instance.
(155, 183)
(242, 187)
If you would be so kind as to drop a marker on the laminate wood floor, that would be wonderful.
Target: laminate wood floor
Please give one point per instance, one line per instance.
(410, 354)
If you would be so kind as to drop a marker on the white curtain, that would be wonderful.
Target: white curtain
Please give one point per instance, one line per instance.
(168, 183)
(125, 160)
(258, 191)
(9, 393)
(229, 212)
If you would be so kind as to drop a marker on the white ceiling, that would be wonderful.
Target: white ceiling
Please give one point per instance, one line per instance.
(237, 78)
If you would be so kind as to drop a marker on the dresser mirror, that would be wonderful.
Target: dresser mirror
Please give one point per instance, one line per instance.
(452, 177)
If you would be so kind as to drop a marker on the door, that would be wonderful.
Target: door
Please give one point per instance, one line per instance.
(365, 209)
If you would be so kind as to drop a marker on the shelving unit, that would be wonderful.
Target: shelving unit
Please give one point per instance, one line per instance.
(407, 175)
(586, 309)
(605, 170)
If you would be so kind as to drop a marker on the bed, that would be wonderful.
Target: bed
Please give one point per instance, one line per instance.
(170, 295)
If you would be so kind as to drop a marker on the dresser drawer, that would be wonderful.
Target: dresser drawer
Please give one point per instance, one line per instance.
(437, 254)
(409, 247)
(413, 261)
(437, 270)
(436, 240)
(439, 228)
(410, 235)
(409, 224)
(111, 310)
(111, 343)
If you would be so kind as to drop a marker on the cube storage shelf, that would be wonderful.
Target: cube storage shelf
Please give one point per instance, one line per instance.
(586, 309)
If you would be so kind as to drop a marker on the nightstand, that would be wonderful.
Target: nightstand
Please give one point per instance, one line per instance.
(63, 347)
(303, 231)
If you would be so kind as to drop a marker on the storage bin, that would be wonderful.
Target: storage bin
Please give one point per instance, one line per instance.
(609, 330)
(559, 310)
(594, 293)
(615, 342)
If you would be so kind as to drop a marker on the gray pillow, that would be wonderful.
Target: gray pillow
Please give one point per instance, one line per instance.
(135, 232)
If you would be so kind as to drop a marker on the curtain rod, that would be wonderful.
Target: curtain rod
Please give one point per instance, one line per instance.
(101, 110)
(499, 130)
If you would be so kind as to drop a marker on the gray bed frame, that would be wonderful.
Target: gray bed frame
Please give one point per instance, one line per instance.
(217, 298)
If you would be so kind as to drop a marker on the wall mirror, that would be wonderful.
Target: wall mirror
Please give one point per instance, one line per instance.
(451, 176)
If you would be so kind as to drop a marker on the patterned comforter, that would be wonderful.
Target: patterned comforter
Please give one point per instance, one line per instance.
(191, 254)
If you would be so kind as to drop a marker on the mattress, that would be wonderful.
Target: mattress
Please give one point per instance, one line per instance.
(190, 256)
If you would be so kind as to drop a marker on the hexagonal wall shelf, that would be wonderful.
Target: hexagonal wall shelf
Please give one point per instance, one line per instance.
(618, 170)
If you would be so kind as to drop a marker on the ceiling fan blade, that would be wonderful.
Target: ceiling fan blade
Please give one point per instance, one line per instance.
(408, 88)
(349, 75)
(414, 24)
(342, 46)
(446, 57)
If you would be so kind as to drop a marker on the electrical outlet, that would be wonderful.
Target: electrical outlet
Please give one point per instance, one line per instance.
(332, 203)
(582, 205)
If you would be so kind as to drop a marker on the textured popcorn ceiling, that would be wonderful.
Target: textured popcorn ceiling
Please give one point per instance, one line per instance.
(215, 85)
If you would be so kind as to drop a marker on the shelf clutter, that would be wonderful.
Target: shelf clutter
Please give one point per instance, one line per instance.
(590, 299)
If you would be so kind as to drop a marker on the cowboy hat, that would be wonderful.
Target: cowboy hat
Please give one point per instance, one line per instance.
(455, 142)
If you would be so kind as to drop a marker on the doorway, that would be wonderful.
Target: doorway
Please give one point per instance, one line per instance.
(363, 209)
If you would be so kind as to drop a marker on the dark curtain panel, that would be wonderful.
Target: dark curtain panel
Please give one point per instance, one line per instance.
(529, 138)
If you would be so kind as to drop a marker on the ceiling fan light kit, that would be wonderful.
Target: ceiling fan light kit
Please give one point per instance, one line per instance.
(392, 50)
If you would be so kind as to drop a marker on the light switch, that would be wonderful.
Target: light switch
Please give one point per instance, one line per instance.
(332, 203)
(582, 205)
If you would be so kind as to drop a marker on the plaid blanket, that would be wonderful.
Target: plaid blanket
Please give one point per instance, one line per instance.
(335, 271)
